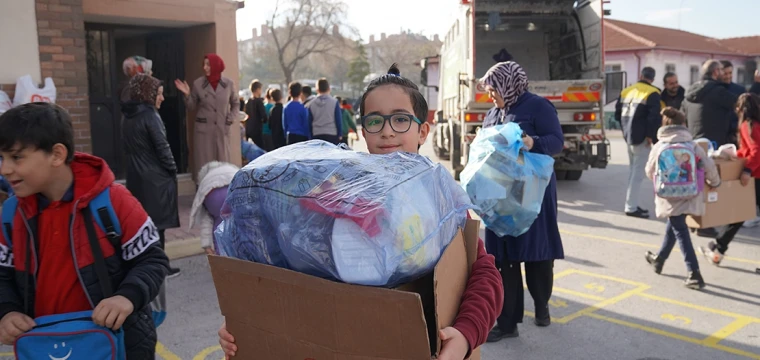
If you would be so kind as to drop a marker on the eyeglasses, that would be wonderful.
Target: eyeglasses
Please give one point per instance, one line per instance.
(400, 123)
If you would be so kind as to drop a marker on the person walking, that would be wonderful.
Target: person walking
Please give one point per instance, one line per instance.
(638, 111)
(678, 147)
(325, 115)
(151, 170)
(295, 117)
(507, 85)
(216, 100)
(257, 115)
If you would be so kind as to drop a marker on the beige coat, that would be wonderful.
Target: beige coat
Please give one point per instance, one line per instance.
(217, 113)
(664, 207)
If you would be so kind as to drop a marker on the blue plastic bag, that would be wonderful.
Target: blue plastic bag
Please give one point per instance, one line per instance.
(505, 182)
(323, 210)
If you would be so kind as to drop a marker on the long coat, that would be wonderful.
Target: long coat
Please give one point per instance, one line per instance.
(217, 113)
(151, 170)
(538, 118)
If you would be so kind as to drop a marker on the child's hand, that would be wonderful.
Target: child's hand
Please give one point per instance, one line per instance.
(14, 324)
(227, 341)
(209, 251)
(455, 346)
(112, 312)
(746, 177)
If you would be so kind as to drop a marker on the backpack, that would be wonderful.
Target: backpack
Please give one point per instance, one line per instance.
(101, 210)
(678, 175)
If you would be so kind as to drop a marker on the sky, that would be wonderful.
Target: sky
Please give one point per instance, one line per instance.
(706, 17)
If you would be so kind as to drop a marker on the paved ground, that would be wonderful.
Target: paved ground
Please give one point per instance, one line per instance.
(607, 303)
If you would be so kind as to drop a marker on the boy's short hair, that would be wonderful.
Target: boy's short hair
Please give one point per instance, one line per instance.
(37, 125)
(306, 91)
(295, 89)
(276, 95)
(323, 86)
(255, 85)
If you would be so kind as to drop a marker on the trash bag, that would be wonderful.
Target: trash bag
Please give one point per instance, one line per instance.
(324, 210)
(504, 182)
(5, 102)
(27, 91)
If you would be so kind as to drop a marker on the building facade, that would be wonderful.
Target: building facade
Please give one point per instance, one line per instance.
(81, 44)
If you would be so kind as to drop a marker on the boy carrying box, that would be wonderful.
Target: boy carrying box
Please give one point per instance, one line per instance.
(54, 186)
(391, 107)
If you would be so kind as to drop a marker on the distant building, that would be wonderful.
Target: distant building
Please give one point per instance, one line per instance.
(630, 47)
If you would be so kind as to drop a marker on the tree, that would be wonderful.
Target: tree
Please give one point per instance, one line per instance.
(305, 28)
(358, 69)
(405, 49)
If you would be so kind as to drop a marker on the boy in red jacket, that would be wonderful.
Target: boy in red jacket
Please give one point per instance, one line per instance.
(390, 107)
(54, 186)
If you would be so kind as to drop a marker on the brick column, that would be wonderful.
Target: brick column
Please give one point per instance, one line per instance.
(63, 56)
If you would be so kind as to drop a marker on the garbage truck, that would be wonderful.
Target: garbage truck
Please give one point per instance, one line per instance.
(559, 45)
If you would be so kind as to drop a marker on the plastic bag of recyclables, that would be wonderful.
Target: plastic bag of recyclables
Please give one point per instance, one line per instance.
(323, 210)
(505, 183)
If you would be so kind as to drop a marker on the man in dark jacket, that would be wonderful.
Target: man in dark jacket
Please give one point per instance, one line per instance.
(674, 93)
(736, 89)
(257, 114)
(707, 105)
(638, 111)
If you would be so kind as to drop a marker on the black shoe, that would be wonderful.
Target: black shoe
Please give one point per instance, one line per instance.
(497, 334)
(645, 211)
(708, 233)
(652, 260)
(543, 319)
(639, 213)
(173, 272)
(694, 281)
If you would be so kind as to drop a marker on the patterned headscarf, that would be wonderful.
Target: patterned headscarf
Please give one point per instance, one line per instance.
(137, 65)
(509, 80)
(144, 89)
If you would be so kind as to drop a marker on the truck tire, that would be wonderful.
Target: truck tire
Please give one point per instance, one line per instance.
(574, 175)
(455, 148)
(561, 174)
(440, 152)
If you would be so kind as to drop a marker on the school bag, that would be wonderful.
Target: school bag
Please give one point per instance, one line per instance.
(678, 176)
(101, 210)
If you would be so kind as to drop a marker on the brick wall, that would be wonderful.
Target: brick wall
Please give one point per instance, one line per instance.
(60, 26)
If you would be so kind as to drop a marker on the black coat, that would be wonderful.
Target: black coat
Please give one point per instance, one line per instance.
(275, 124)
(257, 116)
(151, 170)
(708, 106)
(673, 100)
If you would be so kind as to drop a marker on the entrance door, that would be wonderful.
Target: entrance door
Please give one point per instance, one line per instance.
(167, 50)
(105, 116)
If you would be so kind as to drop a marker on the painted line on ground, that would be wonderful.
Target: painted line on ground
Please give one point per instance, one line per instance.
(208, 351)
(727, 330)
(646, 245)
(699, 307)
(165, 353)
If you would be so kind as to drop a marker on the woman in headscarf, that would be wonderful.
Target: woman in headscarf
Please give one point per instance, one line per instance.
(216, 99)
(151, 170)
(507, 85)
(132, 66)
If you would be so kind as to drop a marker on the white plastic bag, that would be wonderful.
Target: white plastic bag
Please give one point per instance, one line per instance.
(27, 91)
(725, 152)
(5, 102)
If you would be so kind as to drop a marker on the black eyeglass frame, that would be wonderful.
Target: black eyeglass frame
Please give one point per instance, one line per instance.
(387, 120)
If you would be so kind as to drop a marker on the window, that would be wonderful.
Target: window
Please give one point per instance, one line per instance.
(693, 74)
(741, 76)
(670, 68)
(612, 67)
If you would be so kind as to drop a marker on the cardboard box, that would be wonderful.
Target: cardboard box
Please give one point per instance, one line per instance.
(730, 169)
(281, 314)
(729, 203)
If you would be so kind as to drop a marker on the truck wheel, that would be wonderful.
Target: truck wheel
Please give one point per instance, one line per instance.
(441, 153)
(457, 173)
(561, 174)
(455, 147)
(574, 175)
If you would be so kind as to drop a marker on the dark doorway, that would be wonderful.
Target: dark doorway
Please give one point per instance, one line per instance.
(105, 115)
(107, 47)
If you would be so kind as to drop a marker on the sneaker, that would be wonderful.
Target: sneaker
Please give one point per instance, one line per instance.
(497, 334)
(173, 272)
(652, 260)
(694, 281)
(714, 256)
(752, 223)
(639, 213)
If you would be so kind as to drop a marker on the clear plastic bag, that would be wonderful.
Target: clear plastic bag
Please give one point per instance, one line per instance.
(323, 210)
(505, 183)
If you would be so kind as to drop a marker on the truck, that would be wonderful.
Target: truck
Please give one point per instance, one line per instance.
(559, 45)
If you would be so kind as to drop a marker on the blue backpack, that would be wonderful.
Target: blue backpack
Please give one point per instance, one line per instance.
(70, 327)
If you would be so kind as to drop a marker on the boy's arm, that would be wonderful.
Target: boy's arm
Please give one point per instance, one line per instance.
(141, 252)
(339, 119)
(10, 300)
(482, 300)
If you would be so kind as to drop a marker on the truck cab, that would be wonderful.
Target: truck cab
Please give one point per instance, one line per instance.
(559, 45)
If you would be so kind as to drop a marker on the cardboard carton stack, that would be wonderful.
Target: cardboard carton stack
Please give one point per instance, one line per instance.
(276, 313)
(731, 202)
